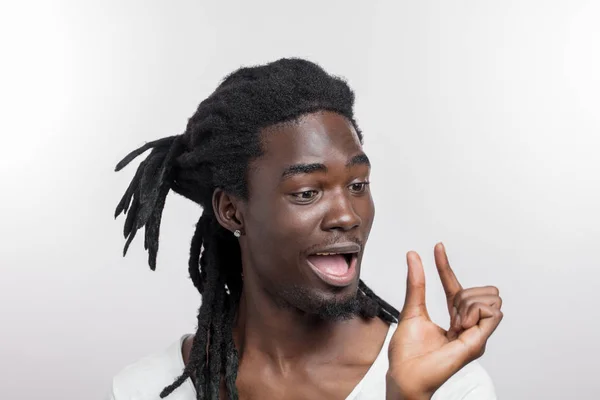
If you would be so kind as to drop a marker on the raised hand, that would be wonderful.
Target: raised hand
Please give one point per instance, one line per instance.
(422, 355)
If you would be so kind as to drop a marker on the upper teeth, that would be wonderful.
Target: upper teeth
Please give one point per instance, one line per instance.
(327, 254)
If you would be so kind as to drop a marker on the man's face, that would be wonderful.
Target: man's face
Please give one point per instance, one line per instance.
(307, 195)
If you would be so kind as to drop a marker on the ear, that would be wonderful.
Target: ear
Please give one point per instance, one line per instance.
(227, 210)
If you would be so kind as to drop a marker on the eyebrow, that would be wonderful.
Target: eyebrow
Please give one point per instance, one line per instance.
(359, 159)
(297, 169)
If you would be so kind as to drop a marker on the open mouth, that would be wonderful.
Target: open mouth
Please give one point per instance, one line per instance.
(336, 269)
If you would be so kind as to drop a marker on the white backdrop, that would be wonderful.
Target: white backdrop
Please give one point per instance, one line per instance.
(480, 117)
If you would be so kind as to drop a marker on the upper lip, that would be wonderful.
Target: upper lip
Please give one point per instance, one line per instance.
(339, 248)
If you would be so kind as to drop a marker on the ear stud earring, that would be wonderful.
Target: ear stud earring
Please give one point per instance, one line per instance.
(237, 233)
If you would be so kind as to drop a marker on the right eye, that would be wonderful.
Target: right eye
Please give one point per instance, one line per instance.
(306, 195)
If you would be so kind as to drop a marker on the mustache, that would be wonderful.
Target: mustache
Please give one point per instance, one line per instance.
(335, 240)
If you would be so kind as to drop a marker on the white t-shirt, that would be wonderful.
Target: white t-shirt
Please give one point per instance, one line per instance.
(145, 379)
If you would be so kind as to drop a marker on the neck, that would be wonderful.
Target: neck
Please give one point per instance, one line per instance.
(284, 336)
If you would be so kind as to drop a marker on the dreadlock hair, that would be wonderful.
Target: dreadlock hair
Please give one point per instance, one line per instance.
(220, 139)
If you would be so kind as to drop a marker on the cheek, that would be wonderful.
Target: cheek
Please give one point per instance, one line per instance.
(291, 233)
(282, 221)
(366, 210)
(278, 232)
(371, 211)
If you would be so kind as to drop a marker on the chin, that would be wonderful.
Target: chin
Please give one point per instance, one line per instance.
(332, 304)
(338, 309)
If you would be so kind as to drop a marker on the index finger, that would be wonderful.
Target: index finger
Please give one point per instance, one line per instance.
(451, 284)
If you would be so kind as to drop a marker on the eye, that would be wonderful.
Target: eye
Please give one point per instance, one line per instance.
(359, 187)
(306, 195)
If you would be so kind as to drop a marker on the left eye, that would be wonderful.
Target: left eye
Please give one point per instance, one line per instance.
(359, 187)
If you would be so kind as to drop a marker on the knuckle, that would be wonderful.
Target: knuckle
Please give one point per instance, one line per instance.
(459, 297)
(471, 303)
(498, 314)
(482, 350)
(494, 290)
(477, 351)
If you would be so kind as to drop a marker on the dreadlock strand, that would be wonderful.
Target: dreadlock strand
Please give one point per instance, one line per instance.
(229, 352)
(153, 228)
(197, 358)
(368, 307)
(128, 242)
(131, 156)
(150, 185)
(387, 312)
(131, 189)
(132, 215)
(194, 260)
(216, 339)
(207, 317)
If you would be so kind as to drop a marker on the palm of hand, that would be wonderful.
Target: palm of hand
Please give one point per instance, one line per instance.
(415, 341)
(417, 337)
(423, 355)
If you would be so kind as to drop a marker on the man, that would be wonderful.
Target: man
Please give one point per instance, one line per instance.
(275, 159)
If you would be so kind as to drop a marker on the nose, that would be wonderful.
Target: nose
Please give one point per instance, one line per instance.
(341, 214)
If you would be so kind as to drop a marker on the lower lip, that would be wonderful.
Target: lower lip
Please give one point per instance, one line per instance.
(338, 280)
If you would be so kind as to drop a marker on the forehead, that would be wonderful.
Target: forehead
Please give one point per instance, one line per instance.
(315, 137)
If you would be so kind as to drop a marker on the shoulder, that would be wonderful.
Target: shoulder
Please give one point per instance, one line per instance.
(147, 377)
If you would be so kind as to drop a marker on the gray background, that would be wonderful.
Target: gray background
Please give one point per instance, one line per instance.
(481, 119)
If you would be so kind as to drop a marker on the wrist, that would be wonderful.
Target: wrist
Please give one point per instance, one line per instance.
(394, 391)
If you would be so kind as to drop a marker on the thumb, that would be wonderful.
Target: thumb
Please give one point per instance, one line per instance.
(414, 303)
